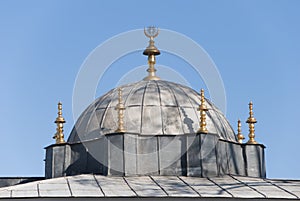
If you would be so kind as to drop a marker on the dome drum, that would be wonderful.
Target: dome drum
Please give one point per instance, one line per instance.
(127, 154)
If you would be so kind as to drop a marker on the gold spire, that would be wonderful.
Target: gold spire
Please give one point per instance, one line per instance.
(202, 108)
(151, 32)
(251, 121)
(59, 135)
(240, 136)
(120, 107)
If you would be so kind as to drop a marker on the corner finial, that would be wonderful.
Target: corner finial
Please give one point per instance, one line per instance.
(120, 108)
(240, 136)
(59, 135)
(151, 51)
(251, 121)
(202, 108)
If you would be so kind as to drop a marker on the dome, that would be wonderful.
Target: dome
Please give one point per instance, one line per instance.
(153, 107)
(151, 128)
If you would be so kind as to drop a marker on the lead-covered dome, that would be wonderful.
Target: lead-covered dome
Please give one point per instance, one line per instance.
(161, 121)
(153, 107)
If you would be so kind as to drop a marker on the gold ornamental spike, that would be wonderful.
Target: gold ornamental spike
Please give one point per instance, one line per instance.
(59, 135)
(120, 108)
(151, 51)
(251, 121)
(202, 108)
(240, 136)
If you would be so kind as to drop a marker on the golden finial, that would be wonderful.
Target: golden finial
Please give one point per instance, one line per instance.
(59, 135)
(202, 108)
(120, 107)
(240, 136)
(151, 32)
(251, 121)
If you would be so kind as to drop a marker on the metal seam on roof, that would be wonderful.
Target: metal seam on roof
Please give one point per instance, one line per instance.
(142, 109)
(176, 186)
(161, 111)
(159, 185)
(248, 186)
(158, 155)
(197, 116)
(178, 106)
(269, 181)
(94, 109)
(175, 99)
(220, 187)
(189, 186)
(98, 185)
(130, 186)
(106, 108)
(38, 189)
(69, 186)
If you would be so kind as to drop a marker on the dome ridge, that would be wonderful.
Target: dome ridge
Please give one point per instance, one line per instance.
(153, 107)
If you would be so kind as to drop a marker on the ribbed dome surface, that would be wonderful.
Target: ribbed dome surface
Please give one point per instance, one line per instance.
(152, 108)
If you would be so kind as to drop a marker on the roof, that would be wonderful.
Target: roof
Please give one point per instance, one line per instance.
(97, 186)
(154, 107)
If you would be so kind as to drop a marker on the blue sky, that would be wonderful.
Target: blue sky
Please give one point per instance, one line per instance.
(254, 44)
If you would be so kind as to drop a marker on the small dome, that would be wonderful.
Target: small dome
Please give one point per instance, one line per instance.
(153, 107)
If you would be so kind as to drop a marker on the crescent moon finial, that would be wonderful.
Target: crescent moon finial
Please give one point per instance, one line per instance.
(151, 51)
(151, 32)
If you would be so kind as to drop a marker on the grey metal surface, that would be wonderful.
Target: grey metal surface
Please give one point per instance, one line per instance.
(254, 160)
(147, 157)
(236, 188)
(209, 155)
(90, 185)
(126, 154)
(58, 159)
(9, 181)
(236, 164)
(152, 108)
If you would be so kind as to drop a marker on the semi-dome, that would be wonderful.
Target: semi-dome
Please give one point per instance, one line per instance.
(153, 107)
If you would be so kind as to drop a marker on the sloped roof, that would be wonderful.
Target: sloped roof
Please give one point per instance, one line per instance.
(97, 186)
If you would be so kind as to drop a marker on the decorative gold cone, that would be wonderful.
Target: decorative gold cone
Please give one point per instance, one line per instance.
(202, 108)
(240, 136)
(59, 135)
(120, 108)
(251, 121)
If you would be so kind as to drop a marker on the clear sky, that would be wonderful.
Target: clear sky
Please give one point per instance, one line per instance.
(254, 44)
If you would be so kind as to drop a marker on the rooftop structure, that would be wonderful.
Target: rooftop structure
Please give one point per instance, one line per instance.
(153, 138)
